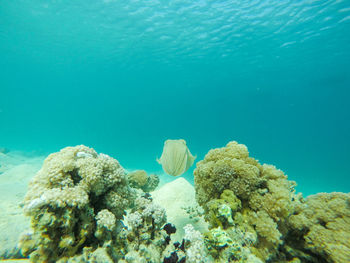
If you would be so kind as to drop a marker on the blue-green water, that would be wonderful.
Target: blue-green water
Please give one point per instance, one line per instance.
(123, 76)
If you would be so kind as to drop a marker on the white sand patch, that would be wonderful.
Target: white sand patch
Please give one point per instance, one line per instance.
(16, 172)
(173, 197)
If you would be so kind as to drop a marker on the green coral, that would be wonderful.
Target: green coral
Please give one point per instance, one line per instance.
(226, 212)
(217, 238)
(227, 246)
(220, 211)
(219, 243)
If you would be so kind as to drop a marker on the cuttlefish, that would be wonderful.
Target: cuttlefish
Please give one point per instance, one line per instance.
(176, 157)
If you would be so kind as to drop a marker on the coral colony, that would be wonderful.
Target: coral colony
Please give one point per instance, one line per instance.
(84, 207)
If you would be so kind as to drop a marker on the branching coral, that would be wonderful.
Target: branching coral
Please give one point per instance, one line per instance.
(196, 251)
(145, 232)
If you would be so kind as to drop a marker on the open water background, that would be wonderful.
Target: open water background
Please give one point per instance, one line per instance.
(123, 76)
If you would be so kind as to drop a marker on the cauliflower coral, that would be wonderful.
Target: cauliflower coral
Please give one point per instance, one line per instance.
(268, 220)
(74, 202)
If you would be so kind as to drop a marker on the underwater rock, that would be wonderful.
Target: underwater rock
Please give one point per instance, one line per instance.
(176, 158)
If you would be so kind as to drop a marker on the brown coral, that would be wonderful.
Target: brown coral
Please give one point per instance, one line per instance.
(140, 179)
(267, 198)
(321, 226)
(279, 225)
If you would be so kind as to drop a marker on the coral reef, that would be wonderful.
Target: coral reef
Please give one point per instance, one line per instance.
(85, 208)
(79, 205)
(144, 239)
(241, 196)
(74, 202)
(139, 179)
(195, 212)
(195, 248)
(320, 227)
(254, 214)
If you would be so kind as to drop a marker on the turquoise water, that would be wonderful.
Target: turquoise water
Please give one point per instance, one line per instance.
(123, 76)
